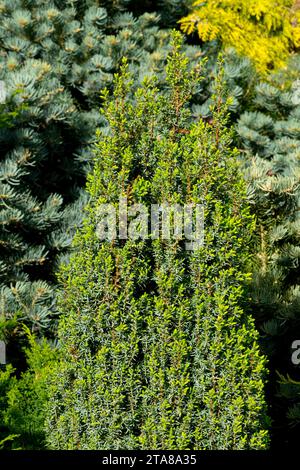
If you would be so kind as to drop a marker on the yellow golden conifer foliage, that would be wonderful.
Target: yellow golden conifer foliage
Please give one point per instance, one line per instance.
(264, 30)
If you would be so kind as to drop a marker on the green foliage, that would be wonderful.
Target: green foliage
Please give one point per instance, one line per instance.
(156, 350)
(290, 394)
(7, 115)
(265, 31)
(59, 57)
(23, 399)
(5, 383)
(55, 60)
(270, 135)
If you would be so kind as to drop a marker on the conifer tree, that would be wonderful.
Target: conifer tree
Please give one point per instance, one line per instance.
(270, 136)
(60, 56)
(157, 351)
(266, 31)
(55, 60)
